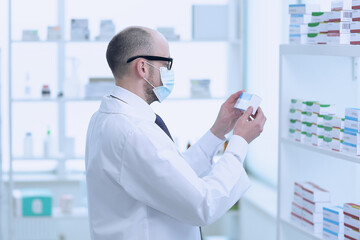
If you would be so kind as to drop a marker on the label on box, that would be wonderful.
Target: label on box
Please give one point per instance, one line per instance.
(355, 27)
(298, 199)
(298, 188)
(349, 148)
(339, 5)
(350, 138)
(316, 139)
(356, 4)
(329, 235)
(296, 103)
(351, 222)
(353, 126)
(340, 16)
(312, 227)
(314, 207)
(352, 209)
(297, 209)
(336, 38)
(318, 17)
(307, 127)
(351, 233)
(355, 38)
(309, 117)
(295, 114)
(298, 29)
(299, 19)
(295, 39)
(311, 216)
(335, 214)
(303, 8)
(246, 100)
(307, 106)
(314, 27)
(339, 27)
(296, 218)
(333, 226)
(315, 193)
(332, 121)
(356, 15)
(352, 114)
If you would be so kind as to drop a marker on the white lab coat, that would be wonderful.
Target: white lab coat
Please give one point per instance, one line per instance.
(140, 187)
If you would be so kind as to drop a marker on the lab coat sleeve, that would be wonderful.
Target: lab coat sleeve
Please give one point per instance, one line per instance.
(199, 156)
(159, 177)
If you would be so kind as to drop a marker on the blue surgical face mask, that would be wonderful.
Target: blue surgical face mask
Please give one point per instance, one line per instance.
(167, 79)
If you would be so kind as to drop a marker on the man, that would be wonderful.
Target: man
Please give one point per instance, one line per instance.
(139, 186)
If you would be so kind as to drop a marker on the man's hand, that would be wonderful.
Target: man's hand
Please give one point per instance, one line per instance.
(250, 126)
(227, 117)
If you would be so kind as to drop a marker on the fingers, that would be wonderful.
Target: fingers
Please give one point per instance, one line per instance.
(247, 113)
(234, 97)
(260, 116)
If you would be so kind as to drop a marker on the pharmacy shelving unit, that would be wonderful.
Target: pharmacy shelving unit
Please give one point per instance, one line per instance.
(329, 74)
(235, 59)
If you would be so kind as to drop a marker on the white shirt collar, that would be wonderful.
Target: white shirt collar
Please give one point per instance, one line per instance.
(122, 100)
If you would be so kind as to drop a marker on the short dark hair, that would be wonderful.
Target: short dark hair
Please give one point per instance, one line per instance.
(127, 43)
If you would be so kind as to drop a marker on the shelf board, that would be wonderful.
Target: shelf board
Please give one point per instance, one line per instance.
(344, 156)
(324, 50)
(19, 100)
(42, 158)
(107, 41)
(45, 178)
(301, 229)
(26, 100)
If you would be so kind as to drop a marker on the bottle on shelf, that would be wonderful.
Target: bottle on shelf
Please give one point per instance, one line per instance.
(45, 91)
(28, 145)
(48, 145)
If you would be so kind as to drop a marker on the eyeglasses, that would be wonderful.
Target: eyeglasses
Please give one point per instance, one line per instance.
(153, 58)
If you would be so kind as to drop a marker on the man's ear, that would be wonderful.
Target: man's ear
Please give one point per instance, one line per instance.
(140, 68)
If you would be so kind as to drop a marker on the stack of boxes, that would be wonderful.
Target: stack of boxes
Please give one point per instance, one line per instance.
(340, 19)
(355, 25)
(351, 221)
(333, 223)
(316, 124)
(295, 120)
(300, 16)
(351, 136)
(332, 132)
(318, 28)
(311, 121)
(340, 26)
(307, 207)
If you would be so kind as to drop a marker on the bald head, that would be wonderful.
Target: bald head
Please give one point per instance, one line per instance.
(130, 42)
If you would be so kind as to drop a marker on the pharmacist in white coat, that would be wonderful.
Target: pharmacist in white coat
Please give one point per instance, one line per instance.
(140, 187)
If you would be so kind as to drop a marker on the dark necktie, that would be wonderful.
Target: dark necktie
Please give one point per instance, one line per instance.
(162, 125)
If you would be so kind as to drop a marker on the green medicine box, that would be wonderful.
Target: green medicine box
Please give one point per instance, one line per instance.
(34, 202)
